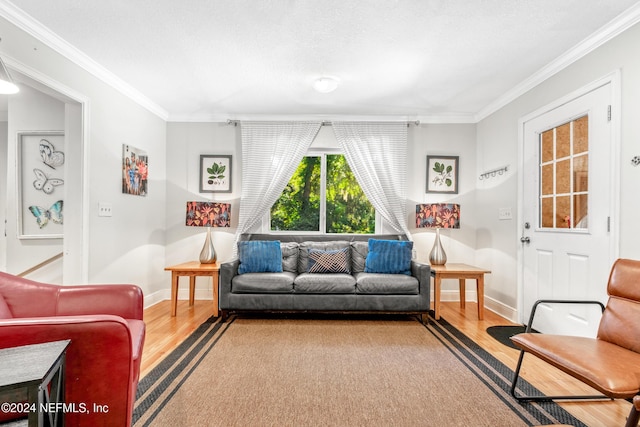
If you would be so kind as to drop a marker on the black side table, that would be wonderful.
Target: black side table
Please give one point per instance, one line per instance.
(32, 382)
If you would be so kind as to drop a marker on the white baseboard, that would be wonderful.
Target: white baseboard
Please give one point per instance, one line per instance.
(183, 294)
(497, 307)
(156, 297)
(501, 309)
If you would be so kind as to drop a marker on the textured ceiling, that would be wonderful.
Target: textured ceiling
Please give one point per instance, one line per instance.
(206, 59)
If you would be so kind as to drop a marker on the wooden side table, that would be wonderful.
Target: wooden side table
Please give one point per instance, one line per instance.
(193, 269)
(460, 272)
(34, 374)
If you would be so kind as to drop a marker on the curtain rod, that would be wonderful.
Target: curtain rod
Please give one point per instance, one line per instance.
(324, 123)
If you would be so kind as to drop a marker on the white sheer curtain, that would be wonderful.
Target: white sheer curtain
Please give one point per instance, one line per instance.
(271, 152)
(377, 155)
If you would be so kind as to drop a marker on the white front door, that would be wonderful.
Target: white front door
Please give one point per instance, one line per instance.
(566, 251)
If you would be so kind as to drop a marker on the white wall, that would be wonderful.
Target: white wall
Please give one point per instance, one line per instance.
(129, 246)
(498, 145)
(446, 140)
(185, 143)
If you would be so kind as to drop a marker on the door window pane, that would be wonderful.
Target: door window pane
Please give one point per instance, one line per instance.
(547, 180)
(580, 209)
(564, 175)
(580, 171)
(546, 217)
(581, 135)
(546, 150)
(563, 141)
(563, 205)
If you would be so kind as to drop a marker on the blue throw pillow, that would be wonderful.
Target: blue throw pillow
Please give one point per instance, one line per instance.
(389, 256)
(260, 256)
(336, 261)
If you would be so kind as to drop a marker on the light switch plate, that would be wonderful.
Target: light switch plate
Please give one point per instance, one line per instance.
(504, 213)
(105, 209)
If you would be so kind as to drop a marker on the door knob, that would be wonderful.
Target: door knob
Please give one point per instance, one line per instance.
(525, 239)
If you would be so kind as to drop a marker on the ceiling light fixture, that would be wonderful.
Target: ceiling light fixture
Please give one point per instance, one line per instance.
(326, 84)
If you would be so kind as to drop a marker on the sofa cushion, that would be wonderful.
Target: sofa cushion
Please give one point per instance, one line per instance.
(389, 256)
(5, 312)
(263, 282)
(303, 254)
(260, 256)
(359, 251)
(386, 284)
(289, 256)
(336, 261)
(331, 283)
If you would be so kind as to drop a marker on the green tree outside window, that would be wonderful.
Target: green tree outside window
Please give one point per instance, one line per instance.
(347, 208)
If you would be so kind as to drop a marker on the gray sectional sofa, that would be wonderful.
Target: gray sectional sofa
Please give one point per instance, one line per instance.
(299, 288)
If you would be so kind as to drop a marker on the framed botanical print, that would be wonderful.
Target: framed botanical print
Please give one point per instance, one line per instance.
(215, 173)
(442, 174)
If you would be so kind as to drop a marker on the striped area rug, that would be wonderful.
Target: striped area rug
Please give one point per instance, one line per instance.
(334, 371)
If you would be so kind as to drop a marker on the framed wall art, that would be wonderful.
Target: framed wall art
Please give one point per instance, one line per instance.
(442, 174)
(135, 171)
(40, 181)
(215, 173)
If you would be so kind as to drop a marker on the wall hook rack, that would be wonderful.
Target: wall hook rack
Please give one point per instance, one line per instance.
(492, 173)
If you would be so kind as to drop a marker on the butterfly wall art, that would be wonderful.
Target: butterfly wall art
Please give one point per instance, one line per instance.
(41, 172)
(54, 213)
(45, 183)
(49, 155)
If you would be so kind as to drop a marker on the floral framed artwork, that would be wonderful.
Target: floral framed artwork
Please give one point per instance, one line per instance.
(442, 174)
(215, 173)
(40, 173)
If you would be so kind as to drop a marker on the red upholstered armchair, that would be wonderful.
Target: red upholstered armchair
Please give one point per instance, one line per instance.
(105, 326)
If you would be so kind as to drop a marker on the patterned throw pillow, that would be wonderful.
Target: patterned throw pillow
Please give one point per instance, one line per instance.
(305, 247)
(336, 261)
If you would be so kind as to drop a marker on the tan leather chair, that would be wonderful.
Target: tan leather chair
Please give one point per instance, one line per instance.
(610, 363)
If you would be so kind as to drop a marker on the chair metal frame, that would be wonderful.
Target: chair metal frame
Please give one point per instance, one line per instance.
(542, 398)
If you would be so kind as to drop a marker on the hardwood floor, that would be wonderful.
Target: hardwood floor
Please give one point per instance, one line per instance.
(164, 333)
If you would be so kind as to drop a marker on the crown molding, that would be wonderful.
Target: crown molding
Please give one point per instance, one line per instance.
(615, 27)
(40, 81)
(215, 118)
(221, 117)
(34, 28)
(448, 119)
